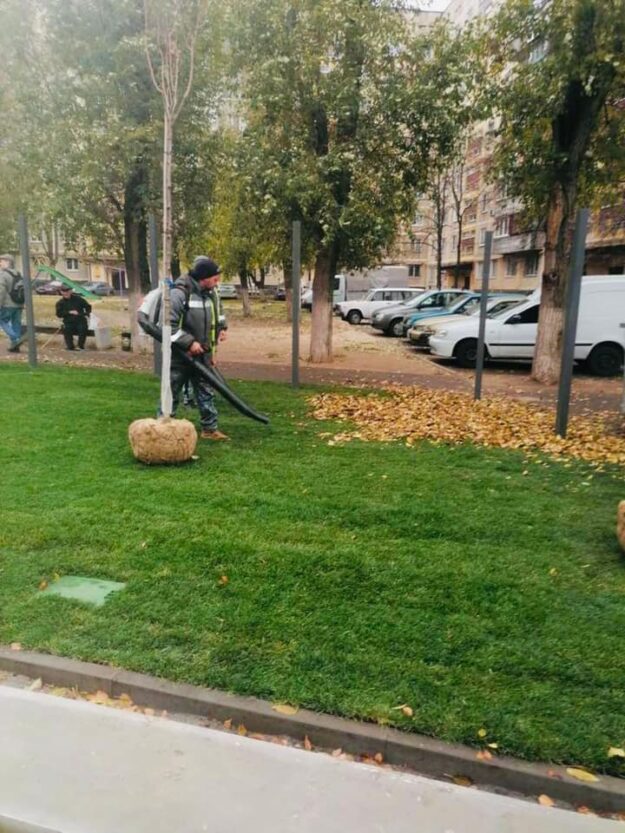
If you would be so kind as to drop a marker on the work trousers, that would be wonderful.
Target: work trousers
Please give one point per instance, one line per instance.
(75, 325)
(204, 394)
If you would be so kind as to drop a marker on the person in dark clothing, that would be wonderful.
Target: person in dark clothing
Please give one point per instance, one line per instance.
(75, 312)
(197, 326)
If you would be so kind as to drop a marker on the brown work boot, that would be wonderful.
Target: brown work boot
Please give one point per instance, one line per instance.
(213, 435)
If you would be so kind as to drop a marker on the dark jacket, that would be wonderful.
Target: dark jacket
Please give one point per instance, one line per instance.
(195, 315)
(65, 306)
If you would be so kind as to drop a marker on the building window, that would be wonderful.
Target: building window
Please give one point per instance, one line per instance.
(414, 270)
(415, 245)
(473, 181)
(510, 264)
(482, 236)
(502, 227)
(531, 265)
(71, 264)
(418, 219)
(471, 212)
(468, 244)
(484, 203)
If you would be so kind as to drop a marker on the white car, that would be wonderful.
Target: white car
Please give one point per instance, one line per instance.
(227, 290)
(361, 310)
(421, 332)
(512, 334)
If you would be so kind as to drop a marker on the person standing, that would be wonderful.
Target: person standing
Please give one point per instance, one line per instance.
(75, 312)
(197, 326)
(11, 302)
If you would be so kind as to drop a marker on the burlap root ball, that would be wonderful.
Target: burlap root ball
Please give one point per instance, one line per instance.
(620, 524)
(161, 441)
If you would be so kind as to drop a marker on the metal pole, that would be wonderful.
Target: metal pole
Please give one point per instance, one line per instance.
(296, 300)
(154, 283)
(479, 365)
(623, 399)
(28, 290)
(570, 320)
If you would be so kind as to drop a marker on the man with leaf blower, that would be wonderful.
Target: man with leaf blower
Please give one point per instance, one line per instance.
(197, 326)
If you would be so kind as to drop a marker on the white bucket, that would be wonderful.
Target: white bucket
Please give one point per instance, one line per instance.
(103, 338)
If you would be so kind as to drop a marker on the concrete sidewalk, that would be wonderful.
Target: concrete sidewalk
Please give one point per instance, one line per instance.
(73, 767)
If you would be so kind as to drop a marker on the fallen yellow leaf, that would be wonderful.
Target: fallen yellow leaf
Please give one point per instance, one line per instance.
(16, 646)
(581, 774)
(462, 780)
(283, 708)
(407, 711)
(484, 755)
(493, 745)
(43, 584)
(307, 743)
(378, 758)
(482, 733)
(616, 752)
(149, 712)
(545, 800)
(223, 581)
(242, 730)
(228, 723)
(36, 685)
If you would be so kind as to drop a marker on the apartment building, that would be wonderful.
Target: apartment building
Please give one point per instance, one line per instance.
(47, 247)
(475, 205)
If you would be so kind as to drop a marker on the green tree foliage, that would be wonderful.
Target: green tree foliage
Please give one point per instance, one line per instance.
(559, 71)
(346, 105)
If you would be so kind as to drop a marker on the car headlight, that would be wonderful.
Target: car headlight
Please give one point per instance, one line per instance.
(441, 333)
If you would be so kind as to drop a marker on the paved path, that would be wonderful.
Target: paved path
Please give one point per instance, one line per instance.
(74, 767)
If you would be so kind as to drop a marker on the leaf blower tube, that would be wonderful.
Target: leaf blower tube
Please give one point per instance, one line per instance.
(212, 375)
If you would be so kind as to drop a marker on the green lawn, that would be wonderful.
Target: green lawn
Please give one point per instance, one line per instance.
(360, 578)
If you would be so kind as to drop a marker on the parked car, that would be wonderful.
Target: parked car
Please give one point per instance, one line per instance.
(99, 288)
(49, 288)
(279, 293)
(420, 332)
(38, 283)
(391, 320)
(389, 296)
(512, 334)
(227, 290)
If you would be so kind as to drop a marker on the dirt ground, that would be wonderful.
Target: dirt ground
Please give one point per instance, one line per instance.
(260, 348)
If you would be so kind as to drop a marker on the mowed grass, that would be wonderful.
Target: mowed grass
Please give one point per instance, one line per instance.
(481, 590)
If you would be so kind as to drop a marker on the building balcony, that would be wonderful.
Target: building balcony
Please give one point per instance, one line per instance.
(519, 243)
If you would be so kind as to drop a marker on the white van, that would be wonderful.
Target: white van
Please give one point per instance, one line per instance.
(512, 334)
(357, 286)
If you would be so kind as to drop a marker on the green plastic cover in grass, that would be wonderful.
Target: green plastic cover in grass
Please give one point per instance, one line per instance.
(89, 590)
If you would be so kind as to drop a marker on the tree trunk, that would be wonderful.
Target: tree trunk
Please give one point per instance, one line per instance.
(558, 245)
(245, 295)
(135, 244)
(458, 255)
(166, 395)
(321, 322)
(262, 274)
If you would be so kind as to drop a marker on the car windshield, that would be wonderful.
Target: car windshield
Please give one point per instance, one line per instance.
(504, 307)
(469, 307)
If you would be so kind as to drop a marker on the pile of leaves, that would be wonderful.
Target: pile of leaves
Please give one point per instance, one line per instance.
(412, 414)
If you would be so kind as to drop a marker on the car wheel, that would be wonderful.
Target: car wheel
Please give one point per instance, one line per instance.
(466, 352)
(606, 360)
(354, 316)
(395, 328)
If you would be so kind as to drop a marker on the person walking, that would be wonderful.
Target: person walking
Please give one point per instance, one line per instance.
(75, 312)
(11, 302)
(197, 326)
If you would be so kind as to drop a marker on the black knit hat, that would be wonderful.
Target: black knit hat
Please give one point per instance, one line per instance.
(203, 267)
